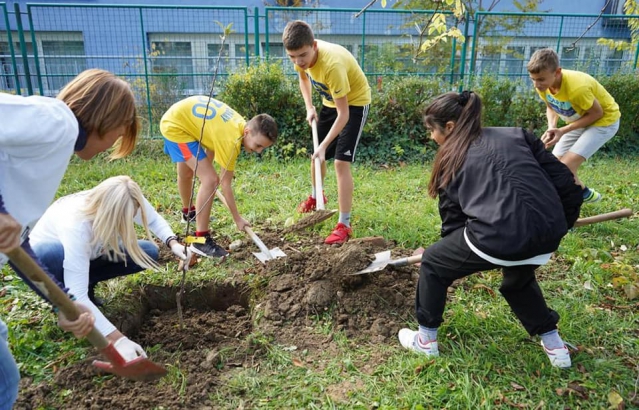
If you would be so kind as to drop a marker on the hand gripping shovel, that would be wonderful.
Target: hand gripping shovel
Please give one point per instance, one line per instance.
(319, 192)
(138, 369)
(266, 254)
(383, 259)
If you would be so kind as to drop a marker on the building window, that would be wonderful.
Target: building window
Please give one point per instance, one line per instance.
(226, 62)
(570, 58)
(173, 57)
(515, 62)
(489, 63)
(613, 61)
(63, 60)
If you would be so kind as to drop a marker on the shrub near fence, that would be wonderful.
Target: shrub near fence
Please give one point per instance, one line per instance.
(394, 130)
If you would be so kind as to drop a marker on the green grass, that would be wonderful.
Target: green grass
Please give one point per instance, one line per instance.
(487, 360)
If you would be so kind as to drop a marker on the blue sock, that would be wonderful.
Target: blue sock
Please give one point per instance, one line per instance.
(552, 340)
(585, 193)
(345, 218)
(427, 334)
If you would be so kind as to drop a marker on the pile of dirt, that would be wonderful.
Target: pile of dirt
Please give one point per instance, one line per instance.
(313, 280)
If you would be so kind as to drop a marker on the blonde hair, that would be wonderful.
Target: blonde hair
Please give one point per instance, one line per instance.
(111, 207)
(102, 102)
(543, 59)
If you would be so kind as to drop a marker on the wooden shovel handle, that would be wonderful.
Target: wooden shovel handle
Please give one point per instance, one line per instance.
(622, 213)
(406, 261)
(318, 169)
(47, 286)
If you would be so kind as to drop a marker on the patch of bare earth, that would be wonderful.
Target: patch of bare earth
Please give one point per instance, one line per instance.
(214, 340)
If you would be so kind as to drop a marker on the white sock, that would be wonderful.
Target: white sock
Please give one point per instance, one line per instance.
(427, 334)
(552, 340)
(345, 218)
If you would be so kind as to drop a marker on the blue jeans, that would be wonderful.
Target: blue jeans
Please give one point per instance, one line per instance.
(9, 374)
(51, 254)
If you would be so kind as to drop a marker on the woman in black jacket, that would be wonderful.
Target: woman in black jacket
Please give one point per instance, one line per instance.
(505, 203)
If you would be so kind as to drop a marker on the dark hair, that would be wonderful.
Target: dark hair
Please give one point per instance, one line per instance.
(464, 110)
(297, 34)
(265, 125)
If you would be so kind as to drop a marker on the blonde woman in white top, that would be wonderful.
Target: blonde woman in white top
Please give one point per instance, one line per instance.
(89, 237)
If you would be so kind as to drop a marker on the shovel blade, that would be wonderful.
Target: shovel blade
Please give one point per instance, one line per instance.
(275, 253)
(141, 368)
(380, 262)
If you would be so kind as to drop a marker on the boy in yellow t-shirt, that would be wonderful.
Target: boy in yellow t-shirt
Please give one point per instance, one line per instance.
(346, 96)
(590, 112)
(225, 133)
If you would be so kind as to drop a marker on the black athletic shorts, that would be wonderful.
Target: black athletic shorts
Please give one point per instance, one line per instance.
(344, 146)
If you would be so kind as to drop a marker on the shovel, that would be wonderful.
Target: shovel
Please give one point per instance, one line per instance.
(319, 192)
(140, 368)
(266, 254)
(383, 259)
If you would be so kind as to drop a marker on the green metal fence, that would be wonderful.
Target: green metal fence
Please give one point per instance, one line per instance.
(169, 52)
(505, 42)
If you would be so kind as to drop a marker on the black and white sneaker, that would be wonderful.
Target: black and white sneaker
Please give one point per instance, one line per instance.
(210, 249)
(188, 216)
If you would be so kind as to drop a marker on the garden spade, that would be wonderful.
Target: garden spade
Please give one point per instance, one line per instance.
(266, 254)
(140, 368)
(383, 259)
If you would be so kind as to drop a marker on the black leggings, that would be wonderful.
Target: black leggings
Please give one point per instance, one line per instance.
(451, 258)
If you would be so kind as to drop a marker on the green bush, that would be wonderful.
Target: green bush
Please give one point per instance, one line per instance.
(265, 88)
(625, 89)
(497, 95)
(394, 130)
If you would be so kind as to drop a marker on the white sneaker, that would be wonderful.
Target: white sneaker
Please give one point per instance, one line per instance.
(410, 340)
(559, 357)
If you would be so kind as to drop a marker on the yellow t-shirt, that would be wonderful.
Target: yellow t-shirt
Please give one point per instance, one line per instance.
(336, 74)
(577, 95)
(223, 130)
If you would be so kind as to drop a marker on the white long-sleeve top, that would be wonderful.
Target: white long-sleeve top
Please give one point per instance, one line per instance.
(64, 222)
(37, 137)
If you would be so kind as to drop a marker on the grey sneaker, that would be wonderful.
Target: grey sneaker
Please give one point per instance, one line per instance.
(409, 339)
(210, 249)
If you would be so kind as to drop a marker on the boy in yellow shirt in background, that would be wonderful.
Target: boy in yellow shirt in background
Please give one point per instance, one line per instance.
(225, 133)
(589, 111)
(346, 96)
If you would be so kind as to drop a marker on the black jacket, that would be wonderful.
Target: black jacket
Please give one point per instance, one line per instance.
(515, 199)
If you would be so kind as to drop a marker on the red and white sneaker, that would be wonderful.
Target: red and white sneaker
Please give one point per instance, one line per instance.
(340, 234)
(309, 204)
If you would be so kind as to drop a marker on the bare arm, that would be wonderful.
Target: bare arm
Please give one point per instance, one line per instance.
(591, 116)
(553, 134)
(552, 117)
(307, 94)
(227, 192)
